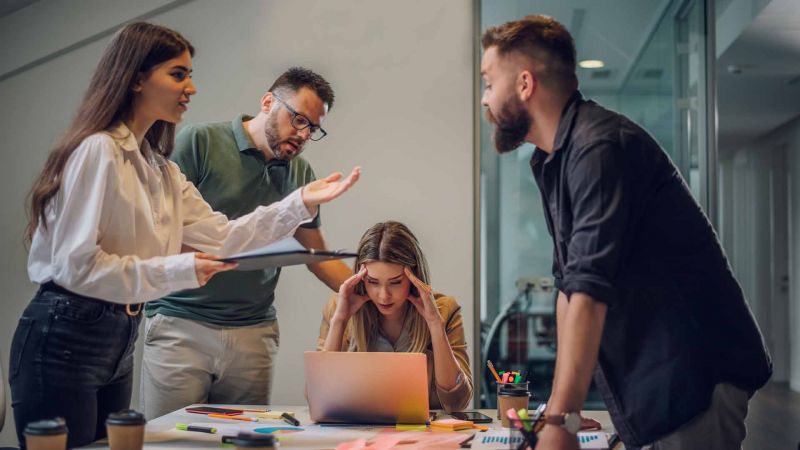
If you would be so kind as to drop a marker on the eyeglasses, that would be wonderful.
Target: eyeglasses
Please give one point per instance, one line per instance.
(301, 122)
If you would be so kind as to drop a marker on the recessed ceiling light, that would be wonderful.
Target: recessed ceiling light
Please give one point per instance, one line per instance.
(592, 64)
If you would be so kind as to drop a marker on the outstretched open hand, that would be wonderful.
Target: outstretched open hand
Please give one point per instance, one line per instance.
(328, 188)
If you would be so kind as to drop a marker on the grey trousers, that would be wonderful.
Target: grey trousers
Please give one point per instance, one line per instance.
(186, 362)
(720, 427)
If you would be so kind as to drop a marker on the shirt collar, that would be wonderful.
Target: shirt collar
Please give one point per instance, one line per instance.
(243, 140)
(564, 129)
(123, 135)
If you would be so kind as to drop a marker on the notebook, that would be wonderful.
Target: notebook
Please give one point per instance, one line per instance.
(286, 252)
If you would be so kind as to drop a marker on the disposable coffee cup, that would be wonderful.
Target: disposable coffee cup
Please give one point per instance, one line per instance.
(511, 395)
(46, 435)
(126, 430)
(252, 441)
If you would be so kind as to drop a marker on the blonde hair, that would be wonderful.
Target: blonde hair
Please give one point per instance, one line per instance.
(390, 242)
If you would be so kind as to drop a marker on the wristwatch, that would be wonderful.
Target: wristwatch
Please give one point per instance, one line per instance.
(570, 421)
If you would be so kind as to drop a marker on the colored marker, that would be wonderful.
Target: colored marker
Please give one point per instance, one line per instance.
(523, 414)
(517, 379)
(505, 377)
(290, 420)
(185, 427)
(491, 369)
(242, 418)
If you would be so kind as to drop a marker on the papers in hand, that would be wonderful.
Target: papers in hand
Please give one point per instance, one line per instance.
(286, 252)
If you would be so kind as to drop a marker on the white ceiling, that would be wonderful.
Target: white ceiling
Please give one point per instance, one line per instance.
(766, 94)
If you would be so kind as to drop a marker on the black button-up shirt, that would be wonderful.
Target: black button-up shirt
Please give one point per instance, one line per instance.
(628, 233)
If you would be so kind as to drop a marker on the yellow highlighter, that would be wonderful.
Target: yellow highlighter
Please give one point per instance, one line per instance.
(273, 414)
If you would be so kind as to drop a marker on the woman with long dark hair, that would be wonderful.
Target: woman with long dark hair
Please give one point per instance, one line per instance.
(110, 217)
(389, 306)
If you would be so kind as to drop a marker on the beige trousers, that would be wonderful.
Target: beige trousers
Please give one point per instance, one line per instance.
(720, 427)
(186, 362)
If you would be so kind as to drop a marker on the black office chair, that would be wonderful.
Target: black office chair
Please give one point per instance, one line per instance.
(3, 402)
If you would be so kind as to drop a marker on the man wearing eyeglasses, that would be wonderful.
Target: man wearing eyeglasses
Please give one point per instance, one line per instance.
(218, 343)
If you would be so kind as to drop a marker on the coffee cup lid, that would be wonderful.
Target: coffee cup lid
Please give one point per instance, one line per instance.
(513, 391)
(126, 417)
(244, 439)
(49, 427)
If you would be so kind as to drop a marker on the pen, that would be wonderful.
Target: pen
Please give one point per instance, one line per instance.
(242, 418)
(491, 369)
(256, 410)
(290, 420)
(517, 423)
(185, 427)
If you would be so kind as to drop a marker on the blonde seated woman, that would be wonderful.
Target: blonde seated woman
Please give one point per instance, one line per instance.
(388, 306)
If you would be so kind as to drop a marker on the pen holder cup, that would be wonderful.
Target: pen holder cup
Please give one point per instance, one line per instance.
(511, 395)
(517, 439)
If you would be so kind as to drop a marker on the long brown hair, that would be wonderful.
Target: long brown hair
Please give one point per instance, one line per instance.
(135, 49)
(390, 242)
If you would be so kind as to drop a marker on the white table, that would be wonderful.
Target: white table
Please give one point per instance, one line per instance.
(160, 433)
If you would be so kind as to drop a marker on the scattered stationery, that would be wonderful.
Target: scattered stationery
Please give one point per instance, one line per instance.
(269, 414)
(451, 424)
(593, 440)
(290, 419)
(496, 439)
(242, 418)
(186, 427)
(277, 430)
(456, 425)
(491, 369)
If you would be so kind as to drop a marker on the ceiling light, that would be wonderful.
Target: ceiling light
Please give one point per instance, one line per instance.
(592, 64)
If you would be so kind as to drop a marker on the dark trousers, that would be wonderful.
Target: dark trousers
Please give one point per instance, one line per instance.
(71, 357)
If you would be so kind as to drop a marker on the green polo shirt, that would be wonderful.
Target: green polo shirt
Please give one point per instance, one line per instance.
(234, 177)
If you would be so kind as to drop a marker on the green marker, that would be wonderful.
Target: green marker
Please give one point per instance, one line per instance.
(523, 414)
(185, 427)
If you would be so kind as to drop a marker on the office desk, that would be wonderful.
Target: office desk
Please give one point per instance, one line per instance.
(160, 433)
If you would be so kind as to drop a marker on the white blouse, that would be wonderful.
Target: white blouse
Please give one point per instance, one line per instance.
(117, 224)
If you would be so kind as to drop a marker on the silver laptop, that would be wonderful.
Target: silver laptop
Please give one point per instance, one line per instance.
(367, 387)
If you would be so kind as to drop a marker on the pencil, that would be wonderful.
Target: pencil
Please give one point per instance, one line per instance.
(242, 418)
(494, 372)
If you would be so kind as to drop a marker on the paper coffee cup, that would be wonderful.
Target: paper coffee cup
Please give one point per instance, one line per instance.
(511, 396)
(126, 430)
(46, 435)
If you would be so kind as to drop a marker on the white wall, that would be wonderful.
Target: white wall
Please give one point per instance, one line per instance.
(403, 76)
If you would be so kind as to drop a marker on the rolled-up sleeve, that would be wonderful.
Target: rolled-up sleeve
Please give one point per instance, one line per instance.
(600, 210)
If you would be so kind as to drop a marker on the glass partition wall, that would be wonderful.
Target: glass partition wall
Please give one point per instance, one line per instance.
(649, 64)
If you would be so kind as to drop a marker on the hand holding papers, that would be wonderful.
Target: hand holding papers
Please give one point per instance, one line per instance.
(286, 252)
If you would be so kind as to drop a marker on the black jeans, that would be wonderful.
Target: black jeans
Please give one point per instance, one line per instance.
(71, 357)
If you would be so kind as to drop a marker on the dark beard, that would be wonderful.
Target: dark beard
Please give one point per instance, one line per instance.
(271, 133)
(511, 125)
